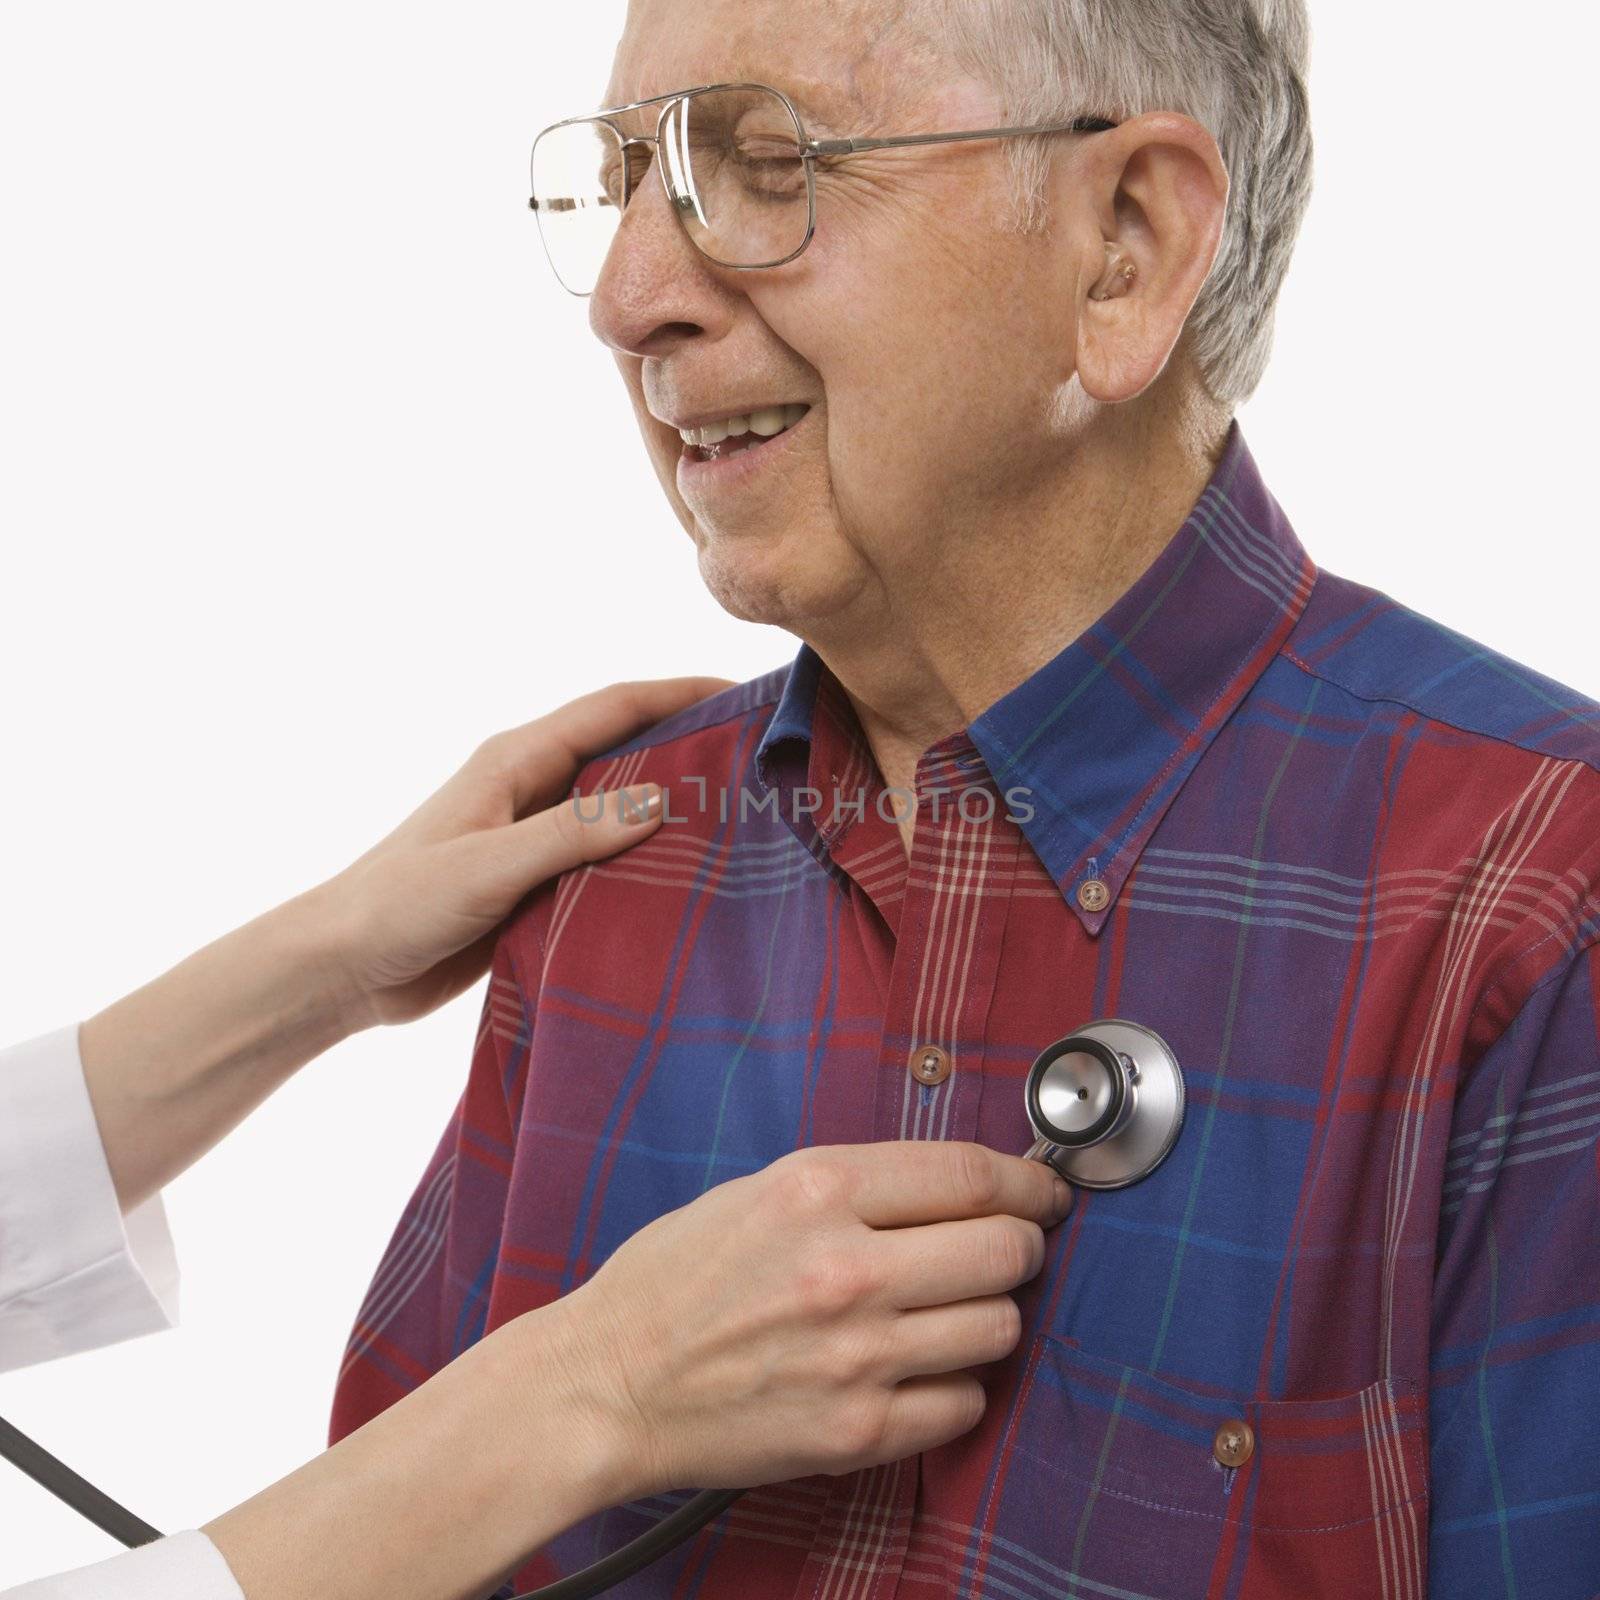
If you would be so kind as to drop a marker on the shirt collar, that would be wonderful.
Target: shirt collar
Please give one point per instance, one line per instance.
(1103, 736)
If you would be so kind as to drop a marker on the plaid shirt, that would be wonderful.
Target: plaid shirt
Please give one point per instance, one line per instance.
(1344, 860)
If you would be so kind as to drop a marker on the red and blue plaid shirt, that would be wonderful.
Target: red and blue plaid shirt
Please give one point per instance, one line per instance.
(1348, 866)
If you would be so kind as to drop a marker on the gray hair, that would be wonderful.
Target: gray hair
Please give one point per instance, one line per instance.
(1238, 67)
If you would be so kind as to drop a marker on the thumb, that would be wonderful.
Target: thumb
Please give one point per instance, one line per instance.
(521, 855)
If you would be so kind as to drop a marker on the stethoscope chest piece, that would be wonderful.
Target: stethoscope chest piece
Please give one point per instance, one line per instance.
(1107, 1104)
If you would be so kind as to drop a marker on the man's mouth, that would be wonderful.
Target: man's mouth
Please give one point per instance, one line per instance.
(733, 434)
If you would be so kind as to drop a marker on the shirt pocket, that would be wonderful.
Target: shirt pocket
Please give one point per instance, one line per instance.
(1127, 1493)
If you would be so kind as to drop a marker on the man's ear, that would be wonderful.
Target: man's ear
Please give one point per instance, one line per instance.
(1152, 196)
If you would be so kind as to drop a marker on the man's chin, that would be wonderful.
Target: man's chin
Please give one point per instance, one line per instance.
(767, 578)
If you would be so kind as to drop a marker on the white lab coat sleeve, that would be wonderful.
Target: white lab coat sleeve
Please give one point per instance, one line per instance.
(75, 1273)
(184, 1566)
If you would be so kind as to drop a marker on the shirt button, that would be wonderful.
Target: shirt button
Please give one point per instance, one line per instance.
(1234, 1444)
(930, 1064)
(1093, 895)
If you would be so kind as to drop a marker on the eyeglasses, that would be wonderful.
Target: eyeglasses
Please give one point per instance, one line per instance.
(737, 163)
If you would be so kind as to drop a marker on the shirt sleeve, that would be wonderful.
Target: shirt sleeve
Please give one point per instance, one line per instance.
(75, 1273)
(184, 1566)
(1514, 1402)
(429, 1297)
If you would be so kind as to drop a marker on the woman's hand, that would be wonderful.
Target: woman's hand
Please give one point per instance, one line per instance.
(833, 1311)
(830, 1312)
(173, 1066)
(417, 914)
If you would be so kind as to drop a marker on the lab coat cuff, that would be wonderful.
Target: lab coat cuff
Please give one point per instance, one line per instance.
(184, 1566)
(75, 1272)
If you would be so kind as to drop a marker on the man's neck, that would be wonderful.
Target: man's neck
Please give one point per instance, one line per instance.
(989, 611)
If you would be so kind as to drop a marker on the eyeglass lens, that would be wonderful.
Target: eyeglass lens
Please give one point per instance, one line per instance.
(734, 175)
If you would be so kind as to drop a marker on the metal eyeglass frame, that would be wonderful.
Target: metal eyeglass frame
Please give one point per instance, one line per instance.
(809, 150)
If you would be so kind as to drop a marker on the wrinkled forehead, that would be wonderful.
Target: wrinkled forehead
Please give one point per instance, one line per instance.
(838, 60)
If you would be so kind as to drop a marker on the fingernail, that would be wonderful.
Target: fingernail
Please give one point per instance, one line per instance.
(641, 803)
(1063, 1197)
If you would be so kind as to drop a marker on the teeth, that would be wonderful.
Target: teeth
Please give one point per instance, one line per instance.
(767, 422)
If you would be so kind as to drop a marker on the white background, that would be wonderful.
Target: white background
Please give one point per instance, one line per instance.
(309, 479)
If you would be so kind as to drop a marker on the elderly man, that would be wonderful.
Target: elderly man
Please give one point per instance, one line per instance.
(958, 413)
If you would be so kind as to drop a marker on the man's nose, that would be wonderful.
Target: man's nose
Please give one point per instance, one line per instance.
(655, 289)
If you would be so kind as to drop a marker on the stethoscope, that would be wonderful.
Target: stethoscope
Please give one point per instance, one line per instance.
(1107, 1105)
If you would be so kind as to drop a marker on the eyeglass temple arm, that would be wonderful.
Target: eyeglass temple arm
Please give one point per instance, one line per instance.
(845, 147)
